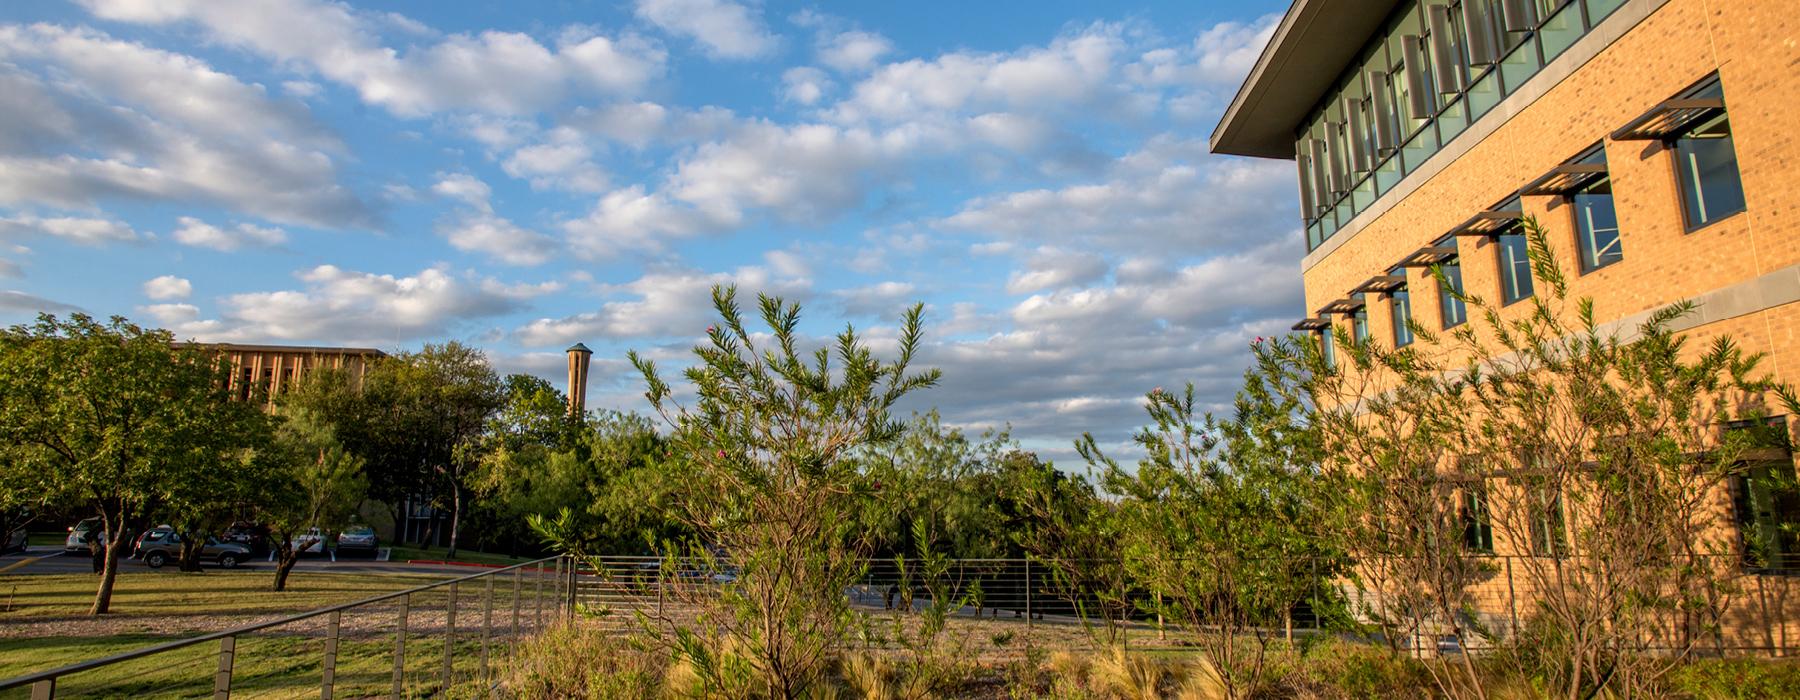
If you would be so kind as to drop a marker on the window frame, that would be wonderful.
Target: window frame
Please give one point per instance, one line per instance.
(1508, 268)
(1446, 300)
(1682, 181)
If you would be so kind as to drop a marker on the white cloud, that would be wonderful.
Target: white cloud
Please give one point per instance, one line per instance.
(362, 308)
(660, 304)
(499, 238)
(86, 231)
(724, 28)
(465, 188)
(1078, 69)
(10, 269)
(110, 119)
(562, 161)
(168, 287)
(884, 300)
(172, 315)
(14, 300)
(1052, 269)
(503, 72)
(303, 89)
(853, 51)
(1169, 195)
(804, 84)
(200, 234)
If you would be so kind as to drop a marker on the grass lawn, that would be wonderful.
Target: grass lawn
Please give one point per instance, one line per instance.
(43, 624)
(406, 553)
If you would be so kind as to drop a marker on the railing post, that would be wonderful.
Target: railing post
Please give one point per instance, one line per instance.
(487, 631)
(1027, 593)
(400, 648)
(328, 683)
(574, 574)
(44, 689)
(537, 615)
(449, 639)
(1512, 604)
(512, 641)
(222, 679)
(556, 586)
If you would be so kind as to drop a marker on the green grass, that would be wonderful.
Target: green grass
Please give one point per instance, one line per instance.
(163, 594)
(404, 553)
(46, 627)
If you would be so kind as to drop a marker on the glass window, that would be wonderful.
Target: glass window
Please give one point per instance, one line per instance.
(1599, 9)
(1450, 308)
(1560, 31)
(1767, 502)
(1400, 303)
(1359, 325)
(1549, 532)
(1328, 347)
(1706, 166)
(1477, 521)
(1515, 266)
(1597, 226)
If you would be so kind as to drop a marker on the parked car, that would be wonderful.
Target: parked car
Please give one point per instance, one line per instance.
(13, 542)
(310, 542)
(77, 542)
(163, 545)
(357, 539)
(249, 534)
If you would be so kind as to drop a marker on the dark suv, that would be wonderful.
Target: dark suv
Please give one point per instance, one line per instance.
(162, 545)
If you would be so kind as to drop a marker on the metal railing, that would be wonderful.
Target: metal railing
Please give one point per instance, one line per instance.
(1761, 616)
(407, 643)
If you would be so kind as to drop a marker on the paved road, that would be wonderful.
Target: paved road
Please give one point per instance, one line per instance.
(49, 560)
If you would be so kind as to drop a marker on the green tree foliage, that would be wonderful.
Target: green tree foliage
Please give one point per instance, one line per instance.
(429, 411)
(937, 491)
(1216, 525)
(765, 449)
(309, 481)
(605, 489)
(114, 418)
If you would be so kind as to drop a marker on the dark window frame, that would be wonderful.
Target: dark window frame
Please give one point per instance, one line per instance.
(1508, 269)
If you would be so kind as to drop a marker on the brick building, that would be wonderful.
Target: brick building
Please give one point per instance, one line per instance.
(1654, 140)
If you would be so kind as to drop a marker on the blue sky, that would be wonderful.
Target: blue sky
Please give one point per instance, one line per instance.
(522, 176)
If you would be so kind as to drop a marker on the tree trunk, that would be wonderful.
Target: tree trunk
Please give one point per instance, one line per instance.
(115, 544)
(285, 559)
(455, 519)
(190, 552)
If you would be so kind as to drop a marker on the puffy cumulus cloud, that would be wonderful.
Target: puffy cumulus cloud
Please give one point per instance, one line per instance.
(804, 84)
(479, 230)
(804, 173)
(173, 316)
(362, 308)
(86, 231)
(561, 161)
(503, 72)
(168, 287)
(661, 304)
(464, 188)
(1051, 269)
(1166, 197)
(640, 124)
(853, 50)
(17, 301)
(498, 239)
(885, 300)
(200, 234)
(1077, 69)
(93, 118)
(725, 29)
(1063, 362)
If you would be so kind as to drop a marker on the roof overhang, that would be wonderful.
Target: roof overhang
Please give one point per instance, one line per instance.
(1313, 43)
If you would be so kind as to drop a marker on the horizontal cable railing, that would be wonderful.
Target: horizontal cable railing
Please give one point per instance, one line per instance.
(442, 639)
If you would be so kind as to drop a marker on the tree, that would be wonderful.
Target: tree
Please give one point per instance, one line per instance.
(309, 482)
(432, 408)
(1062, 523)
(1214, 524)
(612, 481)
(766, 446)
(115, 418)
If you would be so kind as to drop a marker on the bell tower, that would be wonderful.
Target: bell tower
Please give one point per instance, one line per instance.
(578, 377)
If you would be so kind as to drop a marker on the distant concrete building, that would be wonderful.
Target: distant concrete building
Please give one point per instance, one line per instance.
(272, 368)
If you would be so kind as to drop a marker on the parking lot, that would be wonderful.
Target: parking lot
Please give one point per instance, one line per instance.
(38, 560)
